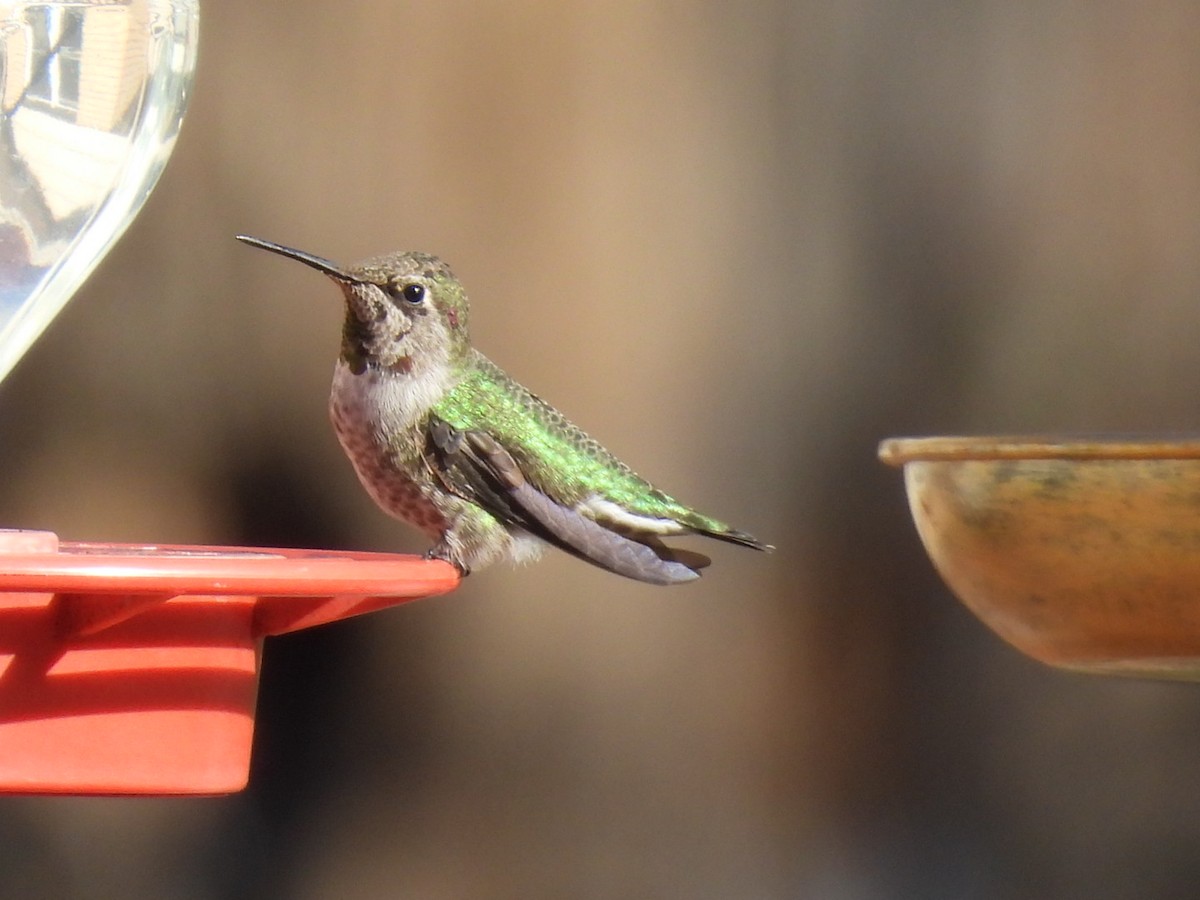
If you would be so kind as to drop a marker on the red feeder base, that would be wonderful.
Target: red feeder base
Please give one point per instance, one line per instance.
(129, 669)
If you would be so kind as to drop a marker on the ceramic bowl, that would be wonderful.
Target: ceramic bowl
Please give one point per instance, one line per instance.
(1084, 554)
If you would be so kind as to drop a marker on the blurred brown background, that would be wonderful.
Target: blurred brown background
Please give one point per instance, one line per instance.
(740, 244)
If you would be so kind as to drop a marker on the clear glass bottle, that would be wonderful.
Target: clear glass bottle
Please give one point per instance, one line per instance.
(91, 99)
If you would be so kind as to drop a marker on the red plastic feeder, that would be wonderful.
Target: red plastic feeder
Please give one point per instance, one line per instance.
(129, 669)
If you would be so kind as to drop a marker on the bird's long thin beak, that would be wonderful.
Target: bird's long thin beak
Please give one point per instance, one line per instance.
(319, 263)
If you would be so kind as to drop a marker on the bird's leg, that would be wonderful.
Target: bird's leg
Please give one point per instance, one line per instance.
(442, 552)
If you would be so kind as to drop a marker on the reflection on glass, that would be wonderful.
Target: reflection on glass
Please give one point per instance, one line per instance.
(92, 93)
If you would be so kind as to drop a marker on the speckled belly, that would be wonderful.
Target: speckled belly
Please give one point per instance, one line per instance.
(387, 472)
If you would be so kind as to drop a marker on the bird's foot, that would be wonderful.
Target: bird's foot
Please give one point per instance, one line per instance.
(442, 554)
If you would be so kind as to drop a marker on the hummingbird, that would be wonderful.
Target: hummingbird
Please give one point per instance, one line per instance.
(442, 438)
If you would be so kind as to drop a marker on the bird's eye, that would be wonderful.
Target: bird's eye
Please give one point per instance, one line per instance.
(413, 293)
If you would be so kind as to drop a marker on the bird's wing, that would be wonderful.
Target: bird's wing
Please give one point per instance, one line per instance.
(473, 464)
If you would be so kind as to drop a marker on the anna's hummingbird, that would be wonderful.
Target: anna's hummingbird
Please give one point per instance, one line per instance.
(442, 438)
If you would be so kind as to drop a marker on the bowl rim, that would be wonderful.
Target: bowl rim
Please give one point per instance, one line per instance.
(950, 448)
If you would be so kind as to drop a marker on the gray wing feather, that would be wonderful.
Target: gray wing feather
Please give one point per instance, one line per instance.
(597, 544)
(476, 467)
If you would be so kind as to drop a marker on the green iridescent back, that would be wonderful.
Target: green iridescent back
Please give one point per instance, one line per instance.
(555, 456)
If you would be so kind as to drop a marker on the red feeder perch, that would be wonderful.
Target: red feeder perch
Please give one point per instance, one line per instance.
(128, 669)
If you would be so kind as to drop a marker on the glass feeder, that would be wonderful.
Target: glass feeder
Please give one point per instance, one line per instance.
(128, 669)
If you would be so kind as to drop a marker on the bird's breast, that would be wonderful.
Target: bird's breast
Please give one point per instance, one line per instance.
(384, 403)
(378, 423)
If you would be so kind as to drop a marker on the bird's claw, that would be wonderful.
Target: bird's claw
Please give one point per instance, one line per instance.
(435, 553)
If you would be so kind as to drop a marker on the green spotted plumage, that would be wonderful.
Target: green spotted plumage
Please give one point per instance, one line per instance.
(443, 438)
(554, 454)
